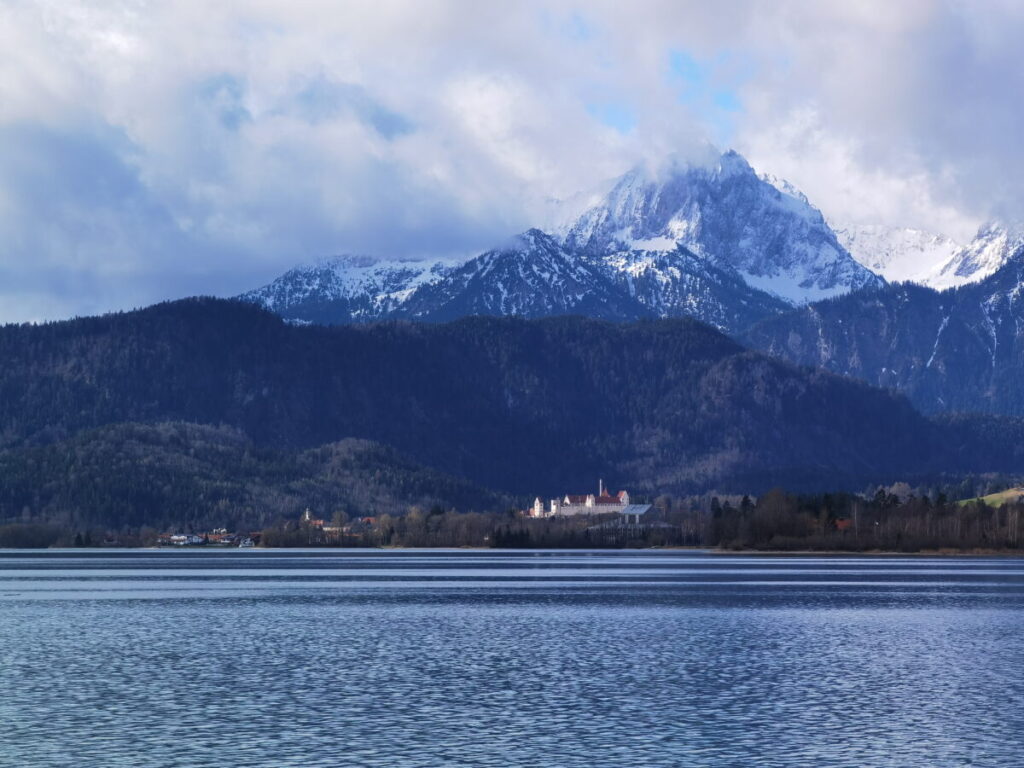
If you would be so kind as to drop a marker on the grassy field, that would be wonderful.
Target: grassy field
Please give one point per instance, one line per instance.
(998, 499)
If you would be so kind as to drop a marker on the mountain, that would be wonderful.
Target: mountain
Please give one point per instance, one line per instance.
(716, 243)
(899, 254)
(911, 255)
(991, 248)
(345, 289)
(957, 350)
(731, 217)
(536, 276)
(520, 406)
(532, 276)
(678, 283)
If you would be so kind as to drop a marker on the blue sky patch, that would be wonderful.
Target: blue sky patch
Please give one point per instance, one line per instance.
(710, 89)
(614, 114)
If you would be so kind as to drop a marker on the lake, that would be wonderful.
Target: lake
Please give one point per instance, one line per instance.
(481, 658)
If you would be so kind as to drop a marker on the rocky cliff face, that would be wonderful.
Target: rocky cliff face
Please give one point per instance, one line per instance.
(732, 218)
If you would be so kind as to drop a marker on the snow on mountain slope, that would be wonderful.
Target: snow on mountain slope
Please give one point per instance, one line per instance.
(731, 217)
(678, 283)
(898, 254)
(346, 288)
(991, 248)
(532, 276)
(911, 255)
(716, 242)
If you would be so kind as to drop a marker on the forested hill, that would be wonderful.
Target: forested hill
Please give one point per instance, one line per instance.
(956, 350)
(176, 475)
(522, 406)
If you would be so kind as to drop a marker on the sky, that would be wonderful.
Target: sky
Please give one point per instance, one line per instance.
(154, 150)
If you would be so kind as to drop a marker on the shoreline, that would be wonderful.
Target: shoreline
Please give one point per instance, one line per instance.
(876, 553)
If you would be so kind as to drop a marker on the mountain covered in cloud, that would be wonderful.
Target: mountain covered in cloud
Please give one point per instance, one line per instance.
(716, 243)
(731, 217)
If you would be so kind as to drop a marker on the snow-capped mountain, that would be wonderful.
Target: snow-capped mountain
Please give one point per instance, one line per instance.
(899, 254)
(715, 242)
(536, 276)
(678, 283)
(345, 289)
(990, 249)
(728, 215)
(912, 255)
(531, 276)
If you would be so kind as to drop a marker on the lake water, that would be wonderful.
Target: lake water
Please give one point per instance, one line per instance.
(443, 658)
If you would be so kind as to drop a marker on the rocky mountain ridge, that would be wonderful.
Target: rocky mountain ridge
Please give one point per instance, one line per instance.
(716, 243)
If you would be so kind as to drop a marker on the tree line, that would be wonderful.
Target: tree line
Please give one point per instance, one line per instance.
(776, 521)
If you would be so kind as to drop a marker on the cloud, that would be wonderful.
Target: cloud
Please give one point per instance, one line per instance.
(152, 150)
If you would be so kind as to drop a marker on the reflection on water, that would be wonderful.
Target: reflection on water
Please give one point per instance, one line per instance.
(562, 659)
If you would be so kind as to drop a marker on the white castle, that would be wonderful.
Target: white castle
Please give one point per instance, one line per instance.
(584, 504)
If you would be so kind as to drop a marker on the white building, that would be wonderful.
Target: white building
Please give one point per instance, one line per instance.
(583, 504)
(186, 539)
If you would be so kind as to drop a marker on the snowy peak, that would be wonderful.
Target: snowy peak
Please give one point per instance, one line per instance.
(713, 241)
(899, 254)
(725, 213)
(913, 255)
(991, 248)
(785, 186)
(346, 288)
(531, 276)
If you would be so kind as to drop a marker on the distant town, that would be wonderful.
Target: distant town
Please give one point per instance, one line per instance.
(895, 518)
(324, 533)
(615, 511)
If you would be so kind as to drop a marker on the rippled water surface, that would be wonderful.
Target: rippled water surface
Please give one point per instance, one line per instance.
(562, 659)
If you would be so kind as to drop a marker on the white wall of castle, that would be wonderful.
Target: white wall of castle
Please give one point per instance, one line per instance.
(564, 508)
